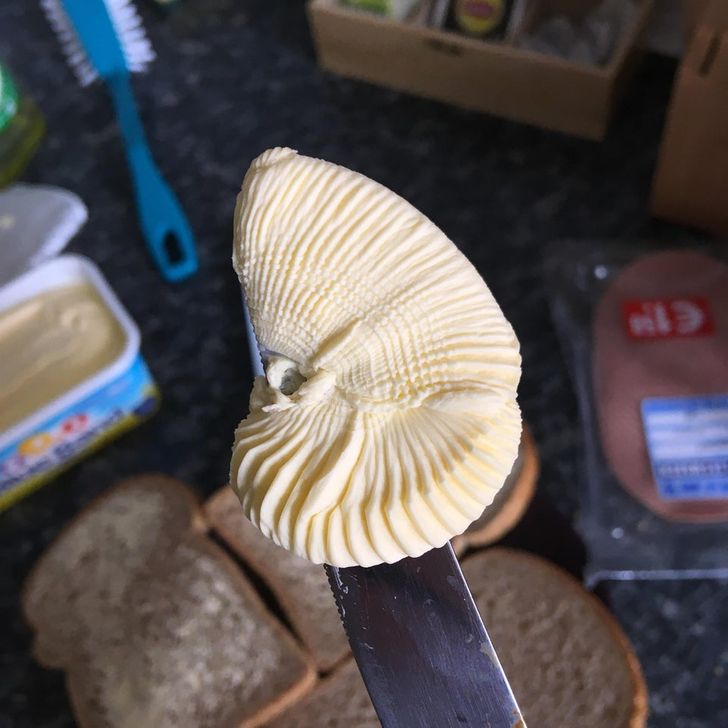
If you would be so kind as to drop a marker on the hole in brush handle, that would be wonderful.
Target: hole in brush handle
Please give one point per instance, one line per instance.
(174, 253)
(172, 249)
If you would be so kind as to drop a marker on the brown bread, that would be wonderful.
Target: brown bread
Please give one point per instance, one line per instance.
(338, 701)
(568, 661)
(153, 624)
(300, 586)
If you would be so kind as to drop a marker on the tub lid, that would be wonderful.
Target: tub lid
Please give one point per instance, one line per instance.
(36, 223)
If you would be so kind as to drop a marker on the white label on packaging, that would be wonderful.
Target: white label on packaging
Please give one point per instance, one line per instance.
(687, 441)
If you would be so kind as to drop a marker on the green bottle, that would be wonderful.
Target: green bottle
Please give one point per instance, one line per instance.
(21, 128)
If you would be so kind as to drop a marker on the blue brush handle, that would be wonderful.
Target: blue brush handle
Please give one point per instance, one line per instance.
(165, 227)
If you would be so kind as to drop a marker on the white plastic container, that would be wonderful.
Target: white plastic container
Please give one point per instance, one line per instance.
(116, 398)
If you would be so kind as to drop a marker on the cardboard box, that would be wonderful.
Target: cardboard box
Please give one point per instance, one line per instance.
(485, 76)
(693, 10)
(671, 25)
(691, 180)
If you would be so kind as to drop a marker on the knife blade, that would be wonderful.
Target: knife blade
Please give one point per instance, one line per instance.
(419, 642)
(421, 645)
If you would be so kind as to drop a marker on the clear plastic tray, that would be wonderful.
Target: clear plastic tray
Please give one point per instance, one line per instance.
(624, 539)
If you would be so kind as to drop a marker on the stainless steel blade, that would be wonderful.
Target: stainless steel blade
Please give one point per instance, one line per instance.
(421, 645)
(256, 363)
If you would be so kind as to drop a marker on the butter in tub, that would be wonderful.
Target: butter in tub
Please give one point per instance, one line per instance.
(71, 375)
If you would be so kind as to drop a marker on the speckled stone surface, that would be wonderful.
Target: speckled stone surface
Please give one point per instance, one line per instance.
(232, 78)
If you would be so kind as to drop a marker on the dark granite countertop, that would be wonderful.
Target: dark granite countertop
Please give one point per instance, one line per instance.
(232, 78)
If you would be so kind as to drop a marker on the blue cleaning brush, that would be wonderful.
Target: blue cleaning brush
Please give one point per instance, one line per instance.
(105, 38)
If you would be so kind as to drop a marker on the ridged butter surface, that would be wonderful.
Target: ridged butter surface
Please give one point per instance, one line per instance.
(387, 419)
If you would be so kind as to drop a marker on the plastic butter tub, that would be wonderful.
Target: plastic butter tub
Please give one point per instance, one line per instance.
(71, 374)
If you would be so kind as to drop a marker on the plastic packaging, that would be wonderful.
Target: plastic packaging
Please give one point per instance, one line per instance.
(36, 224)
(645, 334)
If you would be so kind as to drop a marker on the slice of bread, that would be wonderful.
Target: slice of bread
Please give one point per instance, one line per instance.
(568, 662)
(300, 586)
(338, 701)
(510, 503)
(153, 623)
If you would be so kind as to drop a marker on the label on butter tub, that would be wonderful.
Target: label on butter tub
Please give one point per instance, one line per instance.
(35, 457)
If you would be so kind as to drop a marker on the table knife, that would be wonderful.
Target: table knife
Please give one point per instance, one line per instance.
(421, 646)
(418, 639)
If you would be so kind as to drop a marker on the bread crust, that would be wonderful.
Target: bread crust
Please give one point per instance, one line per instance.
(339, 680)
(195, 534)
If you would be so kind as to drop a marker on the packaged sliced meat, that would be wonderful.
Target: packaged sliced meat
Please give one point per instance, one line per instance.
(645, 332)
(661, 331)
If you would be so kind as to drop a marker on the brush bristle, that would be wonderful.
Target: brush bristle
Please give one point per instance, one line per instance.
(137, 49)
(76, 56)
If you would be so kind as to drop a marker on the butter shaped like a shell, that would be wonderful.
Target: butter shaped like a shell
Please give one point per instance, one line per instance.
(387, 419)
